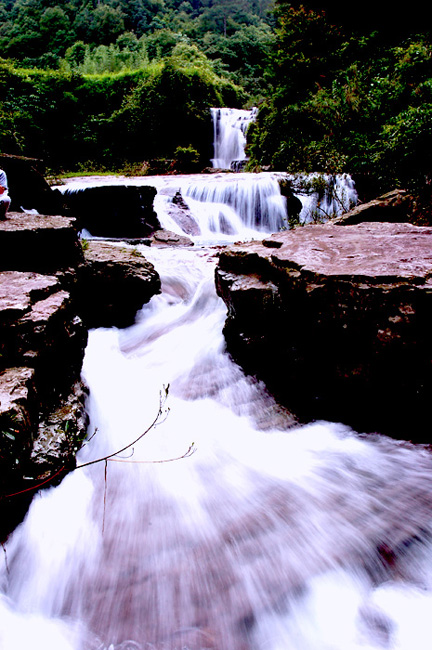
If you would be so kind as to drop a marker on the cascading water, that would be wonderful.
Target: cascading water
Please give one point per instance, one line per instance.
(227, 207)
(337, 194)
(240, 205)
(270, 536)
(229, 127)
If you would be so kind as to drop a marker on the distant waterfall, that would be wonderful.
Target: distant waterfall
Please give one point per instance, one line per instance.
(229, 128)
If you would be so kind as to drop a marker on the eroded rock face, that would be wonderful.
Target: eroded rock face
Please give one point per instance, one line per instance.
(337, 321)
(18, 421)
(42, 342)
(114, 283)
(39, 328)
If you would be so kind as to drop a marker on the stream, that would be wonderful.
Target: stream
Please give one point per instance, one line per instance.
(227, 526)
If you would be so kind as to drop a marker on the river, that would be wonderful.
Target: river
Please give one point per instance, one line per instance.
(227, 526)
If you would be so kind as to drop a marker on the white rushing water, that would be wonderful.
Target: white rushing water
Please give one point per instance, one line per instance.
(267, 537)
(228, 207)
(271, 536)
(230, 126)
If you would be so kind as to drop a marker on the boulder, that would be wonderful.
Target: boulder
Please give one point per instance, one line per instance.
(40, 329)
(114, 210)
(337, 322)
(179, 211)
(114, 282)
(34, 242)
(28, 188)
(162, 238)
(395, 206)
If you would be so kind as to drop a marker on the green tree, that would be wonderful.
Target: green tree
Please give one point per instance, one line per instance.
(55, 29)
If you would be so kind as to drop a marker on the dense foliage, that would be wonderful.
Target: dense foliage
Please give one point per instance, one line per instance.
(94, 36)
(72, 121)
(114, 82)
(348, 97)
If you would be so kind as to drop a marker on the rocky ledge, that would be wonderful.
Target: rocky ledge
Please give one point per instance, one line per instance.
(114, 283)
(34, 242)
(114, 210)
(337, 321)
(51, 292)
(42, 414)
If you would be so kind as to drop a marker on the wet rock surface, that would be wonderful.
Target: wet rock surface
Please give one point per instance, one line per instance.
(337, 321)
(179, 211)
(163, 238)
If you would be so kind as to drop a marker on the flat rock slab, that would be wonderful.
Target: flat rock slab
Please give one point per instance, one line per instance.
(20, 290)
(337, 321)
(368, 250)
(34, 242)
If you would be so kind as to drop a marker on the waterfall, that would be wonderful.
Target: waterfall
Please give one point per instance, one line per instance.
(336, 194)
(269, 536)
(241, 205)
(229, 128)
(225, 207)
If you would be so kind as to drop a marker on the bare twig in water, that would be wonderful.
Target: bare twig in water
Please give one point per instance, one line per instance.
(160, 417)
(105, 493)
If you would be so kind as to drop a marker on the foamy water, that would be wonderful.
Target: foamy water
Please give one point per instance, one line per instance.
(226, 207)
(270, 536)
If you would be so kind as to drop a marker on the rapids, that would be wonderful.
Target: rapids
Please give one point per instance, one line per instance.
(228, 526)
(271, 535)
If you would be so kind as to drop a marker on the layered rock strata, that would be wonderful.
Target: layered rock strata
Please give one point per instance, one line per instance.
(337, 321)
(48, 288)
(42, 342)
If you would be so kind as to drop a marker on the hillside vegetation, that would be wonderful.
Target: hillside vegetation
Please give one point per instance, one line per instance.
(121, 82)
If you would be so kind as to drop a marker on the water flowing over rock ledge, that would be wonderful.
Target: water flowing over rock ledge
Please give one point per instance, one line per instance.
(337, 321)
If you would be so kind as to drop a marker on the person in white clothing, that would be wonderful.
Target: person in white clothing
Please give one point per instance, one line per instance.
(4, 196)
